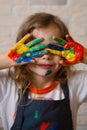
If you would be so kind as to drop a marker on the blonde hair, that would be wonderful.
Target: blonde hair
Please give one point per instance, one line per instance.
(39, 20)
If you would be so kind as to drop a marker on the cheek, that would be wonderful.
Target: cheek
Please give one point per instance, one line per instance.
(57, 59)
(58, 66)
(30, 66)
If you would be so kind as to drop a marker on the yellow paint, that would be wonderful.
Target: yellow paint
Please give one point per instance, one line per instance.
(28, 54)
(56, 52)
(20, 47)
(66, 54)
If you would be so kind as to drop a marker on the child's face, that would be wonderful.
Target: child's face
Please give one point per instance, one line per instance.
(48, 64)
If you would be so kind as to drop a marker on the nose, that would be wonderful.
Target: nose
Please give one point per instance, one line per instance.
(46, 56)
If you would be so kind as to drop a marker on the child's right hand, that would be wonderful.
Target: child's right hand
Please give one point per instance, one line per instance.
(22, 52)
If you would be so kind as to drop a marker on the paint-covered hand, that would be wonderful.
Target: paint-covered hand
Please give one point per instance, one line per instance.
(71, 51)
(22, 52)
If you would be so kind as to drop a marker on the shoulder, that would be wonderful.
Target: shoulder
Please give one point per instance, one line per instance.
(6, 74)
(7, 84)
(77, 83)
(78, 76)
(5, 79)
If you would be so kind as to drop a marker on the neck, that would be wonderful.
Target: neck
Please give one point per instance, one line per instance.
(41, 81)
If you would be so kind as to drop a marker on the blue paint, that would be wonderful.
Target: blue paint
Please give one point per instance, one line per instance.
(20, 59)
(39, 53)
(55, 47)
(28, 59)
(48, 72)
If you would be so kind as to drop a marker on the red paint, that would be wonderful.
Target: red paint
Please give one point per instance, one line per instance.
(44, 125)
(77, 47)
(13, 55)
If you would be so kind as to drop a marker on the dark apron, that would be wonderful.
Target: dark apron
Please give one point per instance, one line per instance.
(44, 114)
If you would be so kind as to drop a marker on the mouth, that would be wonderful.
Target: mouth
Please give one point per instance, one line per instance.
(45, 66)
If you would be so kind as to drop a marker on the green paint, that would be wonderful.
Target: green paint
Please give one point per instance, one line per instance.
(36, 114)
(72, 51)
(60, 40)
(39, 53)
(38, 47)
(33, 42)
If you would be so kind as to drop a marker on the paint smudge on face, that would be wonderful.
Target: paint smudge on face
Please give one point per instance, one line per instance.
(48, 72)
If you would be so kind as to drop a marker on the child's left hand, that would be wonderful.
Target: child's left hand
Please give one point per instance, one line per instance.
(71, 51)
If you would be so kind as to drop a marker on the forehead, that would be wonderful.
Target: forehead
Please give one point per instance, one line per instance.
(46, 32)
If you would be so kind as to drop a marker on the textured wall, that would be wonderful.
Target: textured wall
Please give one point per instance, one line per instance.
(72, 12)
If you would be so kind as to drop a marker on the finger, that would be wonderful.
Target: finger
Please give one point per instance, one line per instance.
(60, 40)
(24, 59)
(56, 52)
(33, 42)
(37, 47)
(28, 59)
(70, 42)
(69, 38)
(19, 60)
(35, 54)
(20, 44)
(65, 63)
(39, 53)
(26, 62)
(24, 55)
(56, 47)
(25, 38)
(27, 56)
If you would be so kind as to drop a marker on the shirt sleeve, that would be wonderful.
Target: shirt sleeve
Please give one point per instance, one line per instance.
(78, 85)
(4, 82)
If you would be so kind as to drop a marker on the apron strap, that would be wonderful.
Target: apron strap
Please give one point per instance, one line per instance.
(65, 89)
(20, 112)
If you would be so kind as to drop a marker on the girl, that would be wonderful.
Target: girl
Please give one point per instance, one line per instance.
(40, 91)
